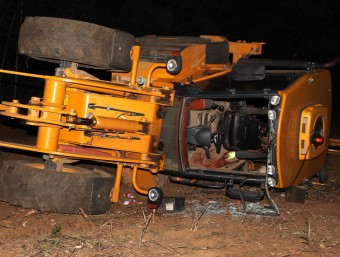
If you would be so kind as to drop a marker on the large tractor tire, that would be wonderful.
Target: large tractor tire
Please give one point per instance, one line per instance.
(75, 189)
(89, 45)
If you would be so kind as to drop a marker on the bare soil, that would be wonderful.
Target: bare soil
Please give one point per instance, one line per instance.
(211, 225)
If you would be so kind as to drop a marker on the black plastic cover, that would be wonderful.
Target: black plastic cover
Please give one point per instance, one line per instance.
(241, 131)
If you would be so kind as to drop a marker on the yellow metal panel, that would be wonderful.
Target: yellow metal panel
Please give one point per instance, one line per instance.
(137, 160)
(115, 110)
(93, 85)
(244, 49)
(308, 120)
(310, 88)
(53, 99)
(76, 100)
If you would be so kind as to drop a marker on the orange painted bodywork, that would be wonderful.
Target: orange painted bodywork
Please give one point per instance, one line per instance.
(193, 65)
(310, 88)
(122, 122)
(124, 138)
(308, 120)
(125, 130)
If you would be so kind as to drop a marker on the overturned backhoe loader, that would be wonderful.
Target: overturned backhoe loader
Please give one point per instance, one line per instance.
(199, 110)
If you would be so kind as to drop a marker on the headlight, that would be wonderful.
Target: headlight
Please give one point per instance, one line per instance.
(271, 170)
(271, 182)
(155, 197)
(174, 65)
(275, 100)
(271, 115)
(153, 194)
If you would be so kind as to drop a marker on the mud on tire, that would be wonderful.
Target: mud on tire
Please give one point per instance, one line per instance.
(90, 45)
(28, 185)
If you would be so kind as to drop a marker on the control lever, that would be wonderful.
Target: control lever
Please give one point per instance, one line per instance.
(207, 152)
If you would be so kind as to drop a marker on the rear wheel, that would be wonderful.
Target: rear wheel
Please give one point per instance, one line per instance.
(29, 185)
(90, 45)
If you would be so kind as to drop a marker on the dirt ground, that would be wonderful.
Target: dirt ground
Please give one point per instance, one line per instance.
(211, 225)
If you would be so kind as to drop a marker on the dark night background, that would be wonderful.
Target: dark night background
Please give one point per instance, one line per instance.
(292, 30)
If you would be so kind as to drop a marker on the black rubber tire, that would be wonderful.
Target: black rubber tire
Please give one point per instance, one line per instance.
(90, 45)
(28, 185)
(323, 175)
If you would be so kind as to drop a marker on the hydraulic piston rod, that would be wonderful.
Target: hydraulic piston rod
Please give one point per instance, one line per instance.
(117, 124)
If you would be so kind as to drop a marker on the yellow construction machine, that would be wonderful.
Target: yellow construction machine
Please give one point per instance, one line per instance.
(200, 110)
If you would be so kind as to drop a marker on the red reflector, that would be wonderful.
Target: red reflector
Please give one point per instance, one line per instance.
(317, 140)
(152, 206)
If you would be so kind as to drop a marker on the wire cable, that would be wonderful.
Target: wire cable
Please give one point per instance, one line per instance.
(303, 162)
